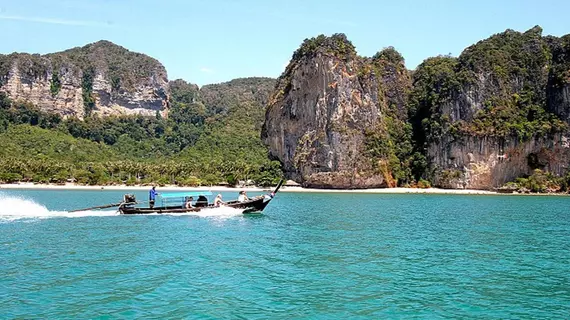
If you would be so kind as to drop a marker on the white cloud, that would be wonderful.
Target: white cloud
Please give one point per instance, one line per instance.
(82, 23)
(206, 70)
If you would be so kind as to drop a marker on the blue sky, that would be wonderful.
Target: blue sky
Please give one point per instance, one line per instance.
(218, 40)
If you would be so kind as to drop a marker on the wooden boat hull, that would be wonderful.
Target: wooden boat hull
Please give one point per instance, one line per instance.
(252, 206)
(255, 205)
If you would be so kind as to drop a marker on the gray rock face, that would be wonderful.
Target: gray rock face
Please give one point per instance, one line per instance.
(146, 99)
(316, 128)
(123, 83)
(489, 162)
(20, 86)
(317, 119)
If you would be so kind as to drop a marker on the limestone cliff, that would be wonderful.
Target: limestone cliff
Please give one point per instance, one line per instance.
(100, 78)
(335, 117)
(497, 112)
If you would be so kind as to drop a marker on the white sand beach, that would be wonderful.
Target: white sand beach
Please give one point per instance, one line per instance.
(71, 186)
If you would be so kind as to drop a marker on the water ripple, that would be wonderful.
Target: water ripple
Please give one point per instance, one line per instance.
(311, 256)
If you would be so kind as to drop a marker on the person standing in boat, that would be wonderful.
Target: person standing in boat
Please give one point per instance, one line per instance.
(152, 196)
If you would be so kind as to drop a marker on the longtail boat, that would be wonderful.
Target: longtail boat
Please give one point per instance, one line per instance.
(175, 202)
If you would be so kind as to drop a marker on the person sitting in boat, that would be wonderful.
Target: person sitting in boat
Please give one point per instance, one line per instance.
(242, 196)
(188, 204)
(218, 201)
(152, 196)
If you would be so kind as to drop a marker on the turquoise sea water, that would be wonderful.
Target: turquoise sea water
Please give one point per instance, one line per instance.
(309, 256)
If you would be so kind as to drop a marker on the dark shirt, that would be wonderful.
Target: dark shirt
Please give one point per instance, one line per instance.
(152, 194)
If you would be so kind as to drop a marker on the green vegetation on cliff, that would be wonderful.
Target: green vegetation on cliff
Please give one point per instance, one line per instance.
(518, 68)
(337, 45)
(512, 60)
(518, 116)
(560, 72)
(434, 82)
(122, 68)
(390, 145)
(497, 87)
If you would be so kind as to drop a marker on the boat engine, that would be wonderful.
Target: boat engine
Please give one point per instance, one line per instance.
(128, 198)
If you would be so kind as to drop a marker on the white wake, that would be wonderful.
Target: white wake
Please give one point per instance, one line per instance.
(16, 208)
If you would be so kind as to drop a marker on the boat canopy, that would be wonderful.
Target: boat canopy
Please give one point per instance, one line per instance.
(184, 194)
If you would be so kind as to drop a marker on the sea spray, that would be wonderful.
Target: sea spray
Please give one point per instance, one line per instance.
(16, 208)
